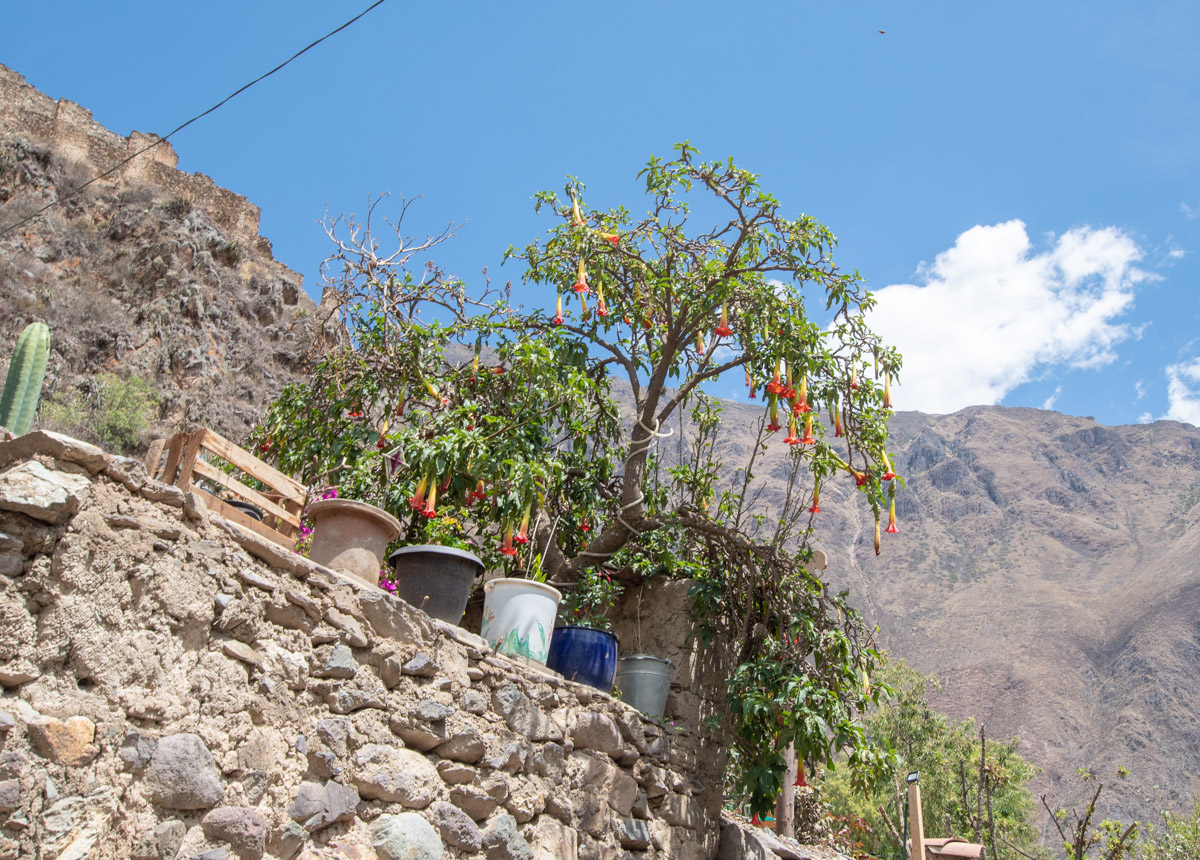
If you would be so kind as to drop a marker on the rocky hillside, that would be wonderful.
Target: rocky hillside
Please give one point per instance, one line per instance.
(151, 273)
(1046, 572)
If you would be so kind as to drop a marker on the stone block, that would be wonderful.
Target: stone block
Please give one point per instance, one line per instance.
(395, 775)
(453, 773)
(522, 716)
(473, 800)
(137, 750)
(633, 834)
(55, 445)
(503, 841)
(183, 775)
(66, 742)
(392, 618)
(338, 663)
(317, 806)
(10, 794)
(406, 836)
(354, 635)
(552, 840)
(466, 746)
(457, 829)
(679, 810)
(41, 493)
(420, 666)
(244, 829)
(596, 731)
(525, 800)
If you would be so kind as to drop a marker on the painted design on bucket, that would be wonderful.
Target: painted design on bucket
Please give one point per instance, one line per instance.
(535, 645)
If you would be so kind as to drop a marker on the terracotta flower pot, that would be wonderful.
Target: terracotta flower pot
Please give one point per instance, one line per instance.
(351, 536)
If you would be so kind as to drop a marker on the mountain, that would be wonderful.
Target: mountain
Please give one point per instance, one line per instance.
(150, 273)
(1046, 572)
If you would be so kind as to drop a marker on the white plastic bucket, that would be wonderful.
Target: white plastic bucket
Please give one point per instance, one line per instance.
(518, 617)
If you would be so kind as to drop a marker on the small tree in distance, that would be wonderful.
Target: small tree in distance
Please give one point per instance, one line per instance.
(502, 421)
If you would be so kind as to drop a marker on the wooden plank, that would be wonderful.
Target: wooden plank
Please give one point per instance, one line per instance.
(218, 507)
(191, 451)
(206, 470)
(253, 466)
(174, 453)
(153, 455)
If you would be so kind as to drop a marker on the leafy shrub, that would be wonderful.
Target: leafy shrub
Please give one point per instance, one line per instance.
(111, 411)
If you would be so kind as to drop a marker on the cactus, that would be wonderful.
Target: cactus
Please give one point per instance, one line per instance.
(26, 373)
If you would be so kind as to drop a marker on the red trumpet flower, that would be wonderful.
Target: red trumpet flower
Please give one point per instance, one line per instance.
(774, 407)
(891, 526)
(837, 419)
(581, 284)
(558, 317)
(800, 782)
(522, 535)
(430, 511)
(508, 548)
(816, 505)
(774, 386)
(611, 238)
(417, 500)
(723, 329)
(801, 404)
(877, 542)
(601, 307)
(860, 478)
(792, 438)
(808, 436)
(854, 377)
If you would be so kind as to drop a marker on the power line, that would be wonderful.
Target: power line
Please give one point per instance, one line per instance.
(179, 128)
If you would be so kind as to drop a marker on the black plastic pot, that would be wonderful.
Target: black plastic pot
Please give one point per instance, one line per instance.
(437, 579)
(246, 508)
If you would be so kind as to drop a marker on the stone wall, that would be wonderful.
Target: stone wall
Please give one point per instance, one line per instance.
(69, 129)
(173, 687)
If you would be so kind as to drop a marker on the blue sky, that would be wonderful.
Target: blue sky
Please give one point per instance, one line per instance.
(1018, 181)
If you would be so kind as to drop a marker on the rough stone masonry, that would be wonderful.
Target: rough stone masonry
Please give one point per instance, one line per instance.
(175, 688)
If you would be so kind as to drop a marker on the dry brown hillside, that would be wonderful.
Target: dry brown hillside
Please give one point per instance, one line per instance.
(153, 272)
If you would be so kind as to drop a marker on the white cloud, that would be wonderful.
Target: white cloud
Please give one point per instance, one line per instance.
(993, 312)
(1189, 211)
(1176, 253)
(1053, 398)
(1183, 391)
(1139, 390)
(1145, 418)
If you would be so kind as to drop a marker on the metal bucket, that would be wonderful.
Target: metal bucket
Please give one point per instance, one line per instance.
(644, 682)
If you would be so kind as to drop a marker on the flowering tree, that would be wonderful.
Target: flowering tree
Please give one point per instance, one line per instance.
(500, 426)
